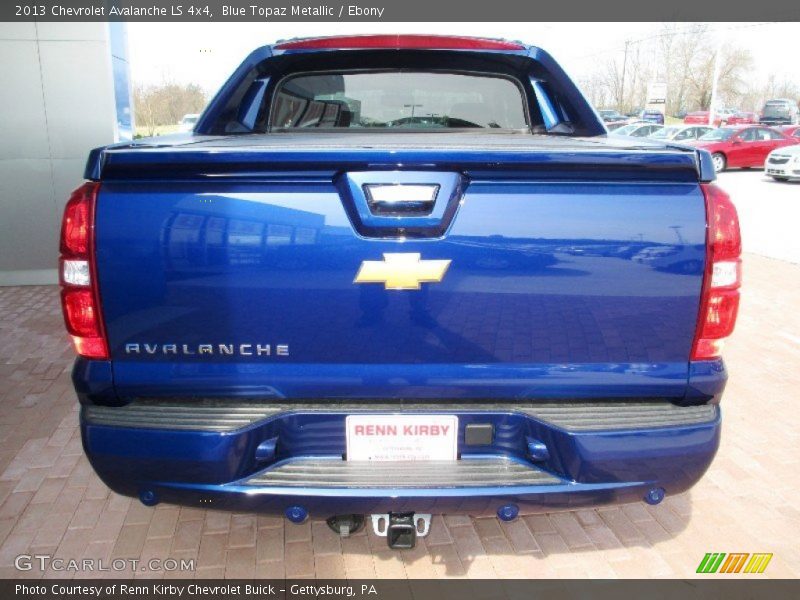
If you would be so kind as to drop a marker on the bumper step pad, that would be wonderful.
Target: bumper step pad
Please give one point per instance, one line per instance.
(620, 415)
(232, 415)
(331, 473)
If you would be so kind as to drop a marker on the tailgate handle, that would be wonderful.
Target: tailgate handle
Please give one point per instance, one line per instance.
(401, 203)
(401, 198)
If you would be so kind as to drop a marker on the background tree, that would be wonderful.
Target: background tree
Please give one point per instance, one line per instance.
(166, 103)
(682, 57)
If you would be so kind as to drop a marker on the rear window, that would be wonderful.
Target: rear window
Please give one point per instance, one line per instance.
(776, 108)
(398, 100)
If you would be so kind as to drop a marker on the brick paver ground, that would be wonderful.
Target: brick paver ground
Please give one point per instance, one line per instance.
(52, 503)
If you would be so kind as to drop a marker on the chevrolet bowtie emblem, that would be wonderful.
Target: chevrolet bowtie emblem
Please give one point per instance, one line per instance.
(402, 271)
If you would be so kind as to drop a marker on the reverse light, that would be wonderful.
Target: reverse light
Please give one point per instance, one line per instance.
(80, 300)
(399, 42)
(76, 272)
(719, 302)
(725, 273)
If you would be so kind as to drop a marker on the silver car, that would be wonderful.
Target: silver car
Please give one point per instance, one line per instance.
(783, 164)
(636, 130)
(188, 122)
(681, 133)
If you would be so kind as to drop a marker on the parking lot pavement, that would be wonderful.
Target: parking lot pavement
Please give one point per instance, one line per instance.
(769, 211)
(52, 503)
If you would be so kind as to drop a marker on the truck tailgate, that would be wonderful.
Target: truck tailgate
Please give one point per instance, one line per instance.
(226, 269)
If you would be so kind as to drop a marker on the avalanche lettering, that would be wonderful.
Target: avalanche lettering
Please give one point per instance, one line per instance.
(137, 11)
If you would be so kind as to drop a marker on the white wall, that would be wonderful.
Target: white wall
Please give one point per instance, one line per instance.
(56, 103)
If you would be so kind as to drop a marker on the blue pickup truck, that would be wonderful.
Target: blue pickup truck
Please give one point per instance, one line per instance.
(393, 276)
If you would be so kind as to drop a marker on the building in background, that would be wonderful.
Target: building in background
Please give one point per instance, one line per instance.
(66, 89)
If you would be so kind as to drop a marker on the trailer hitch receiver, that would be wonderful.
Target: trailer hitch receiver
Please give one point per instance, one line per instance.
(401, 529)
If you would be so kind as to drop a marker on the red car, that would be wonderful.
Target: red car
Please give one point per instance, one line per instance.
(742, 118)
(791, 130)
(745, 147)
(700, 117)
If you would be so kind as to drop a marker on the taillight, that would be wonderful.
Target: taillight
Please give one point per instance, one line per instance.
(75, 226)
(719, 302)
(80, 300)
(399, 42)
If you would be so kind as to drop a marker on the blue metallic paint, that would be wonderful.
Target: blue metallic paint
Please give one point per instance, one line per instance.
(310, 380)
(595, 467)
(219, 100)
(565, 160)
(570, 92)
(93, 379)
(598, 308)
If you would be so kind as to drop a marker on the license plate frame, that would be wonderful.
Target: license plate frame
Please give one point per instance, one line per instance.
(386, 437)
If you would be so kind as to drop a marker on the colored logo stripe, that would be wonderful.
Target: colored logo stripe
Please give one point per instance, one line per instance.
(734, 562)
(758, 563)
(713, 562)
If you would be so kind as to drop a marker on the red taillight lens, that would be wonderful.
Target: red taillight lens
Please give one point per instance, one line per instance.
(720, 315)
(80, 313)
(80, 300)
(91, 347)
(719, 302)
(77, 222)
(724, 239)
(399, 42)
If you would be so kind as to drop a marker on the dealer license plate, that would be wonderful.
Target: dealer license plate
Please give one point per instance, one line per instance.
(402, 437)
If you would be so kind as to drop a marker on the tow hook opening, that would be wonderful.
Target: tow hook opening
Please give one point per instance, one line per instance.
(345, 525)
(401, 529)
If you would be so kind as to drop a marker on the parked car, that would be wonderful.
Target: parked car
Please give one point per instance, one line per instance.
(611, 116)
(791, 130)
(742, 118)
(742, 146)
(616, 125)
(652, 116)
(700, 117)
(668, 258)
(681, 133)
(636, 130)
(299, 322)
(613, 119)
(780, 111)
(188, 122)
(783, 164)
(724, 114)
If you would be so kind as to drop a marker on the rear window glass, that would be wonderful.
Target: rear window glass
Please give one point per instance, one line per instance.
(398, 100)
(776, 108)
